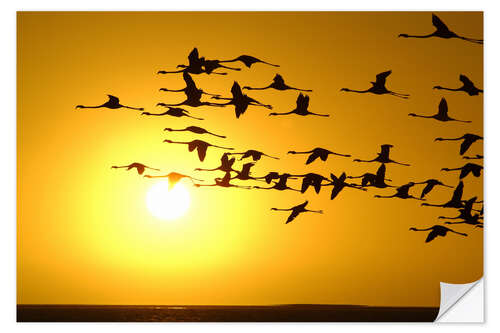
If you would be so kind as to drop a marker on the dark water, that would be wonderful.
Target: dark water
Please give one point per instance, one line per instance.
(188, 313)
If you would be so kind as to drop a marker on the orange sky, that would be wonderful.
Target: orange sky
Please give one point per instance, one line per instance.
(85, 235)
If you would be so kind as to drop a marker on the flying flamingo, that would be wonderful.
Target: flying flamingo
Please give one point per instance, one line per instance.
(442, 31)
(254, 154)
(467, 86)
(244, 174)
(468, 140)
(442, 114)
(278, 84)
(200, 145)
(226, 164)
(174, 178)
(465, 212)
(455, 201)
(401, 192)
(376, 180)
(240, 100)
(473, 168)
(194, 129)
(296, 210)
(138, 166)
(383, 156)
(339, 184)
(270, 177)
(112, 103)
(174, 112)
(437, 230)
(196, 65)
(190, 86)
(317, 153)
(301, 109)
(280, 185)
(311, 179)
(210, 65)
(248, 61)
(430, 183)
(378, 87)
(224, 182)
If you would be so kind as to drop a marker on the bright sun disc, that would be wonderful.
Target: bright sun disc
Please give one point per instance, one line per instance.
(165, 203)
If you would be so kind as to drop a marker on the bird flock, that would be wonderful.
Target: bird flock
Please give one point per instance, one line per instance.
(467, 212)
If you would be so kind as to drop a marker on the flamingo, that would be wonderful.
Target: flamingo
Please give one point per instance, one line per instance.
(223, 182)
(317, 153)
(442, 31)
(465, 212)
(430, 183)
(311, 179)
(248, 61)
(455, 201)
(383, 156)
(112, 103)
(473, 168)
(138, 166)
(174, 178)
(210, 65)
(376, 180)
(301, 109)
(194, 129)
(442, 114)
(280, 185)
(437, 230)
(339, 184)
(467, 86)
(226, 164)
(240, 100)
(244, 174)
(254, 154)
(200, 145)
(271, 176)
(196, 65)
(174, 112)
(401, 192)
(378, 87)
(468, 140)
(296, 210)
(278, 84)
(190, 86)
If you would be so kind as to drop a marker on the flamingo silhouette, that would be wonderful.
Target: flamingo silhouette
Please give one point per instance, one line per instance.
(442, 114)
(311, 179)
(194, 129)
(339, 184)
(317, 153)
(138, 166)
(226, 164)
(430, 183)
(200, 145)
(455, 201)
(378, 87)
(468, 168)
(223, 182)
(280, 185)
(244, 174)
(248, 61)
(240, 100)
(437, 230)
(467, 86)
(468, 140)
(296, 210)
(174, 112)
(254, 154)
(210, 65)
(112, 103)
(465, 212)
(174, 178)
(271, 176)
(383, 156)
(301, 109)
(401, 192)
(442, 31)
(278, 84)
(196, 65)
(477, 157)
(376, 180)
(190, 86)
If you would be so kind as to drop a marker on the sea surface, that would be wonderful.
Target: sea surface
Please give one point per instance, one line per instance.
(203, 313)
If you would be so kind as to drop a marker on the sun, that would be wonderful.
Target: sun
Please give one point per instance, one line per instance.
(167, 204)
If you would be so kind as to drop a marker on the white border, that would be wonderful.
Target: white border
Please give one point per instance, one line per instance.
(8, 139)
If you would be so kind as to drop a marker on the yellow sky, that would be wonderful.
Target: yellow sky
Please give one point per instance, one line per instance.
(84, 232)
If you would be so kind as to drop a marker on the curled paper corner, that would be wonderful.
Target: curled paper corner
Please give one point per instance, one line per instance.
(461, 302)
